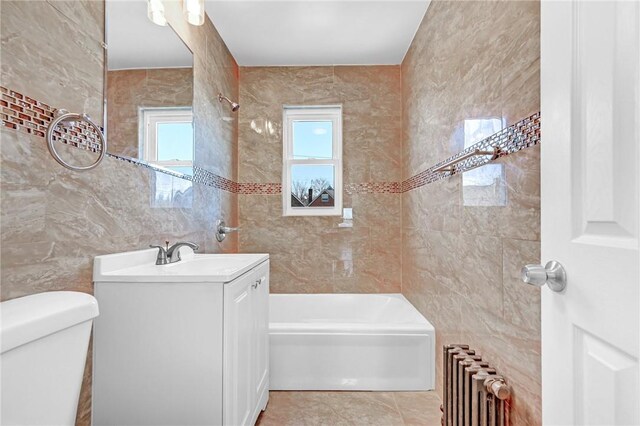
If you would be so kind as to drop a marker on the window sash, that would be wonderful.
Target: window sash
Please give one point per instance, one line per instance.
(151, 117)
(331, 113)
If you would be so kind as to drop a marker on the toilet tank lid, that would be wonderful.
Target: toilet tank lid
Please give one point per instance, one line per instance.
(28, 318)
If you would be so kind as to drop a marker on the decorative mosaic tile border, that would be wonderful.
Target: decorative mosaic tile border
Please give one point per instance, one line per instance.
(373, 188)
(208, 178)
(349, 188)
(27, 115)
(523, 134)
(142, 163)
(259, 188)
(24, 114)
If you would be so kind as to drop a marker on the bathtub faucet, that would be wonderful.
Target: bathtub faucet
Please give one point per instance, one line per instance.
(172, 254)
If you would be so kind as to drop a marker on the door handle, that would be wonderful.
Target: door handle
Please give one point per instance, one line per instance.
(552, 274)
(257, 283)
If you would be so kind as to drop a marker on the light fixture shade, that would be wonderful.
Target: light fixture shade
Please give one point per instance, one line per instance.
(193, 11)
(155, 12)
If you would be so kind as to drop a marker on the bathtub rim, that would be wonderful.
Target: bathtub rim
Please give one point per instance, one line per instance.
(419, 328)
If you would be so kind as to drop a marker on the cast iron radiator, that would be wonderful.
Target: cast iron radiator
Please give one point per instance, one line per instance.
(474, 395)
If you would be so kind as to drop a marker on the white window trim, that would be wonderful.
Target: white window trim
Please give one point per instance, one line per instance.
(331, 113)
(149, 118)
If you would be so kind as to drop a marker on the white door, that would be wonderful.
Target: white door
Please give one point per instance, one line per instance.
(238, 344)
(590, 75)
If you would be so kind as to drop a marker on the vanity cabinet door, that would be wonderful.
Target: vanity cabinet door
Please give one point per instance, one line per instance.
(239, 336)
(261, 341)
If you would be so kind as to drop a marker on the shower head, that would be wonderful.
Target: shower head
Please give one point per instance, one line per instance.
(234, 106)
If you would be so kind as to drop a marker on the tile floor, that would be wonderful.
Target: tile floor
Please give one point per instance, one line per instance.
(351, 408)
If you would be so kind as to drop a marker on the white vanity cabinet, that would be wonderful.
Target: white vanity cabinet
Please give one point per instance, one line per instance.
(185, 343)
(246, 354)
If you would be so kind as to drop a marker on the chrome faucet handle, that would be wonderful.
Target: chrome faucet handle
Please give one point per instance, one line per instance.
(162, 255)
(173, 252)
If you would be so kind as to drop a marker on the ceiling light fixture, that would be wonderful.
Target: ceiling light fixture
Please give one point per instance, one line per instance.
(155, 12)
(193, 11)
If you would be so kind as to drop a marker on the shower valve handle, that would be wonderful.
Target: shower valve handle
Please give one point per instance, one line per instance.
(552, 274)
(222, 230)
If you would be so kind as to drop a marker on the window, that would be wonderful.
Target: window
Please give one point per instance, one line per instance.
(167, 138)
(312, 161)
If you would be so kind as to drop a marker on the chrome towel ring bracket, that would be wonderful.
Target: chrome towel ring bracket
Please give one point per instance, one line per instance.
(67, 119)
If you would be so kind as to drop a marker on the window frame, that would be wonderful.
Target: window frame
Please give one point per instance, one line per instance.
(331, 113)
(149, 119)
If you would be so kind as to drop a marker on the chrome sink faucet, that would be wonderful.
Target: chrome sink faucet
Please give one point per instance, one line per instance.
(171, 254)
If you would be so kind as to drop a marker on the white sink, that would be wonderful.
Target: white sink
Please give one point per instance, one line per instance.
(139, 266)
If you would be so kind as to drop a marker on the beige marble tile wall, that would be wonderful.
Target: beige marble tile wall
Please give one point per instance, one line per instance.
(311, 254)
(461, 262)
(55, 221)
(127, 90)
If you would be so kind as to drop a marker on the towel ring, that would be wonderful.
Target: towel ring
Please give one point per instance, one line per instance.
(63, 116)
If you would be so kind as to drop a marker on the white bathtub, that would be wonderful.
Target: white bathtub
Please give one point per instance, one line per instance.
(349, 342)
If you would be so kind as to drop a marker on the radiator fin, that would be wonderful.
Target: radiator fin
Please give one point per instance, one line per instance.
(474, 394)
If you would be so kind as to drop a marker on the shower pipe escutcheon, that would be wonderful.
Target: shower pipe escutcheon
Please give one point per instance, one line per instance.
(552, 274)
(64, 117)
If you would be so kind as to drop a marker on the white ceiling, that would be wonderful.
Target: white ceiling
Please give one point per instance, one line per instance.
(135, 42)
(298, 32)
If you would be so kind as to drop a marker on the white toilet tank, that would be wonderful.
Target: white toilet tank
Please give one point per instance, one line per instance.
(43, 342)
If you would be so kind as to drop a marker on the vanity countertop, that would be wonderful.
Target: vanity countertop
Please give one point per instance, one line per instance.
(139, 266)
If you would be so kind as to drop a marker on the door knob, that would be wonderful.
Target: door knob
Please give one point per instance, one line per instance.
(552, 274)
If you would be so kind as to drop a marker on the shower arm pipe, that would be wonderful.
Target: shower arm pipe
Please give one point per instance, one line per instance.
(234, 105)
(449, 165)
